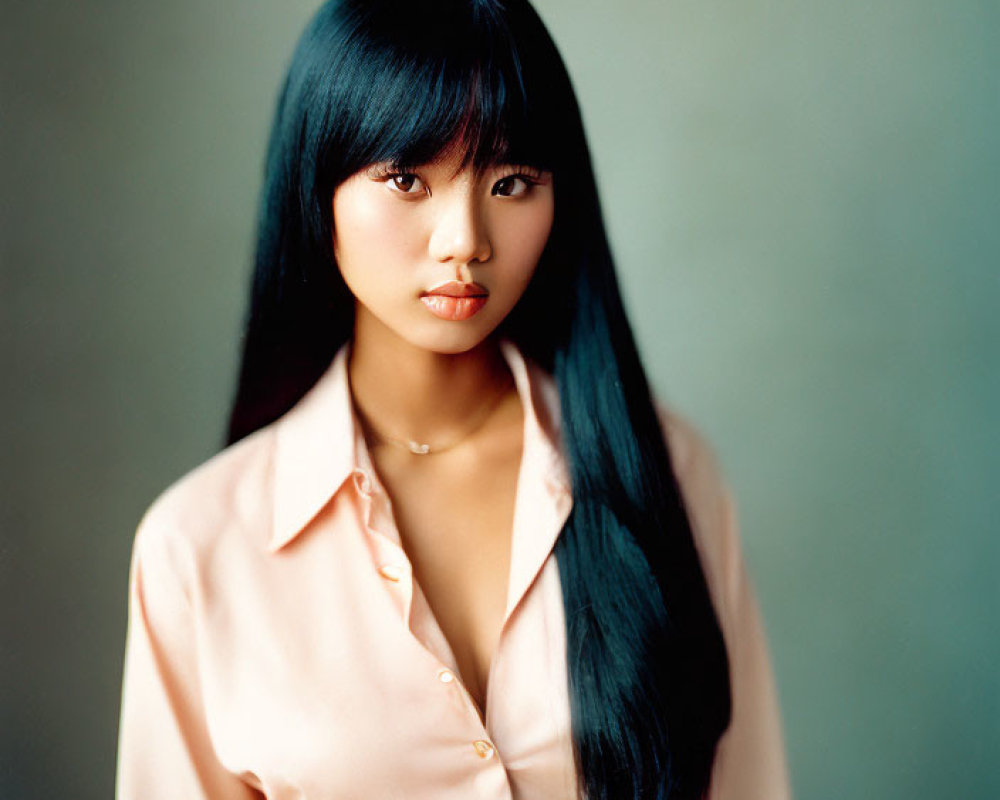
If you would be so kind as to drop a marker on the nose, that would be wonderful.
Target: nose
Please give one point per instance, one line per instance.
(460, 233)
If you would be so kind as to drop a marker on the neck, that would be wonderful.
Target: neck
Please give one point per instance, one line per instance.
(409, 392)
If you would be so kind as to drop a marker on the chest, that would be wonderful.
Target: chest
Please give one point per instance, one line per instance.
(455, 521)
(322, 696)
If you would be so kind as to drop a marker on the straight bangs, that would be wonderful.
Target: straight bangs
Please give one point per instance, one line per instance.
(431, 76)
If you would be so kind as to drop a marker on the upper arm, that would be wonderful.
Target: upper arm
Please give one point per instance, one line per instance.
(750, 760)
(164, 746)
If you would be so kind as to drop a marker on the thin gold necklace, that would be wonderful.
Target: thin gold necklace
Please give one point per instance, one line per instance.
(424, 449)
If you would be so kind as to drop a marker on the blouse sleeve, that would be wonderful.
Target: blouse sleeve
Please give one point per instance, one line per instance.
(164, 747)
(750, 761)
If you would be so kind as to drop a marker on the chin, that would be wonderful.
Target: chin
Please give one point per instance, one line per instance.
(453, 343)
(450, 338)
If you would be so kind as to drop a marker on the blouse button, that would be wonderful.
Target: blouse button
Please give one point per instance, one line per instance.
(483, 748)
(446, 676)
(362, 482)
(390, 572)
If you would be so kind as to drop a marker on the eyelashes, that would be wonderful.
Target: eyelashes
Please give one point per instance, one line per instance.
(530, 176)
(384, 170)
(505, 186)
(405, 179)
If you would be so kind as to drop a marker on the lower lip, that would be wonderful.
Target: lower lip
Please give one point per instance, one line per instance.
(453, 308)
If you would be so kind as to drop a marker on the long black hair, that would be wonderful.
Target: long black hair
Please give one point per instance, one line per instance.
(399, 81)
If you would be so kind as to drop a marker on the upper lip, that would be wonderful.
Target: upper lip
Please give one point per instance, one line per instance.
(458, 289)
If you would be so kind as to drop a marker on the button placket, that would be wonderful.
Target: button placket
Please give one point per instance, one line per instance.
(483, 748)
(394, 572)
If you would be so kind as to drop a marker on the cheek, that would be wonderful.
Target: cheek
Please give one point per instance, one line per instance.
(526, 235)
(370, 233)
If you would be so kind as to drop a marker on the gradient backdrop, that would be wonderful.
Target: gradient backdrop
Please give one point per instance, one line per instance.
(803, 198)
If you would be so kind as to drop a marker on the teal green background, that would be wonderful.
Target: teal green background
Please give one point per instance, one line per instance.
(803, 199)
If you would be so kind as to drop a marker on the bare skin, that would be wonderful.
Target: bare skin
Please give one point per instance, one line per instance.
(454, 509)
(417, 375)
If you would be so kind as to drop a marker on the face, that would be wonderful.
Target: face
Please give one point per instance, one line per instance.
(438, 254)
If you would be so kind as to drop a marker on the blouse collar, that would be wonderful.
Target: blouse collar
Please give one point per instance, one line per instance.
(318, 441)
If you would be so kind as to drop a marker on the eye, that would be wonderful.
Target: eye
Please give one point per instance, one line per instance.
(400, 179)
(512, 185)
(405, 183)
(520, 180)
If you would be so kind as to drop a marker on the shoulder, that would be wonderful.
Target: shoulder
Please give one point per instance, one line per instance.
(224, 500)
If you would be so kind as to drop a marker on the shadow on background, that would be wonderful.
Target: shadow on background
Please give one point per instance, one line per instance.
(803, 198)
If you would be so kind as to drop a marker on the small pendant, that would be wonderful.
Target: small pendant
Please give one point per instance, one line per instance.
(419, 449)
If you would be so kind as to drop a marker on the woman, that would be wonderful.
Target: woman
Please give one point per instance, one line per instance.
(452, 550)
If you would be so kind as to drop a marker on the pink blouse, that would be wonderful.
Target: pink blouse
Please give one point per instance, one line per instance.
(279, 647)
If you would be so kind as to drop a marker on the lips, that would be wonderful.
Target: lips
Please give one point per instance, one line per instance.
(458, 289)
(455, 301)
